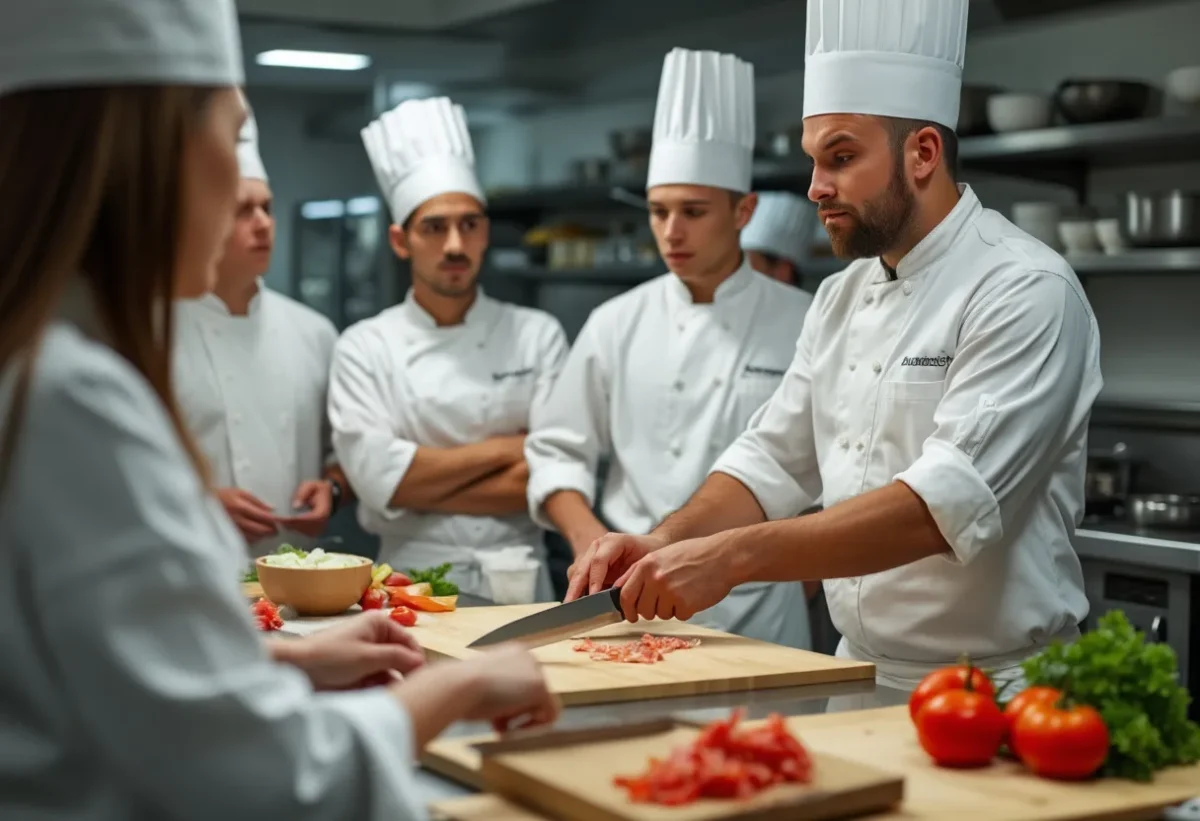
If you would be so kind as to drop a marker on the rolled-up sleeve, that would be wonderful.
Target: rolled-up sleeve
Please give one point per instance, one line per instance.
(1022, 383)
(569, 430)
(371, 454)
(776, 458)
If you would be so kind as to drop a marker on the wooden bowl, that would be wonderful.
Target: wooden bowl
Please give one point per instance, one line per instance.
(315, 591)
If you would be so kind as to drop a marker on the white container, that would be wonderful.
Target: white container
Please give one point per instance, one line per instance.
(1079, 236)
(1108, 233)
(1019, 112)
(516, 585)
(1040, 219)
(1183, 85)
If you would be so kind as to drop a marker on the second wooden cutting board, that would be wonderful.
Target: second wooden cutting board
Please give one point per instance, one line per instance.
(722, 662)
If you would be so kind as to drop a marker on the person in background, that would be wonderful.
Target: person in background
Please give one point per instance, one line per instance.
(778, 236)
(251, 370)
(939, 397)
(663, 377)
(430, 400)
(134, 685)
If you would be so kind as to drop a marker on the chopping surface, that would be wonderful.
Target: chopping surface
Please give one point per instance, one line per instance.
(884, 738)
(721, 663)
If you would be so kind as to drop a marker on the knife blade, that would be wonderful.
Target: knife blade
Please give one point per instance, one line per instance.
(558, 623)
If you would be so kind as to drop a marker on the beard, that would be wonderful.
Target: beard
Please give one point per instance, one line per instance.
(451, 283)
(878, 227)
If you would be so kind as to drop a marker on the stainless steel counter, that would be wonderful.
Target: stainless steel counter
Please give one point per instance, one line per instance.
(1176, 550)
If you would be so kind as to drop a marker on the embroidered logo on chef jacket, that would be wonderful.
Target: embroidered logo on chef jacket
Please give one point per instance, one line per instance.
(503, 375)
(758, 370)
(941, 361)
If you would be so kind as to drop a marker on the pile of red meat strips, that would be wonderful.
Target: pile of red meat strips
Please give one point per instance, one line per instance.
(723, 762)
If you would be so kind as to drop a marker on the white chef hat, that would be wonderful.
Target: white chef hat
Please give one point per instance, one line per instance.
(249, 160)
(886, 58)
(782, 225)
(704, 123)
(419, 150)
(65, 43)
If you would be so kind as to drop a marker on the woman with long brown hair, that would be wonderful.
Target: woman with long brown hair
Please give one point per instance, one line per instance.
(133, 684)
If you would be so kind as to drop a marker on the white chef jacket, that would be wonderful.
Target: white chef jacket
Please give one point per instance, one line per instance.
(400, 382)
(661, 385)
(253, 390)
(970, 378)
(134, 685)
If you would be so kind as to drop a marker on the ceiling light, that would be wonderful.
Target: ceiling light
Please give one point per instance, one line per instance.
(328, 60)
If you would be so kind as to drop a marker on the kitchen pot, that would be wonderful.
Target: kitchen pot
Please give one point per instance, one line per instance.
(1108, 480)
(1171, 510)
(1096, 101)
(972, 110)
(628, 143)
(1162, 219)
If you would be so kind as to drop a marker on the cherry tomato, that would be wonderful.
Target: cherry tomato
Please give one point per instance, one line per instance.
(1065, 743)
(404, 616)
(1023, 700)
(373, 599)
(958, 677)
(961, 728)
(397, 580)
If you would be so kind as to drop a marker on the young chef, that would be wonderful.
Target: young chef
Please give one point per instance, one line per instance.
(779, 234)
(664, 377)
(939, 397)
(430, 400)
(134, 685)
(251, 370)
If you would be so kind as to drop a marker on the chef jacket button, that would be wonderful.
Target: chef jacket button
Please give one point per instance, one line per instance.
(677, 451)
(853, 366)
(679, 386)
(844, 443)
(869, 298)
(680, 327)
(859, 446)
(717, 381)
(878, 368)
(907, 288)
(478, 344)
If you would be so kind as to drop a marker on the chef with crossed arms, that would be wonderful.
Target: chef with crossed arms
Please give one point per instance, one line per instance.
(938, 400)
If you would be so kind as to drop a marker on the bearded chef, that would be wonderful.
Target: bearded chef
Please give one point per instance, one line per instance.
(430, 400)
(939, 397)
(662, 378)
(779, 234)
(251, 369)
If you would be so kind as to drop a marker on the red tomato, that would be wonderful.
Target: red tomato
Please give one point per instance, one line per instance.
(1066, 743)
(397, 580)
(1023, 700)
(958, 677)
(373, 599)
(404, 616)
(961, 728)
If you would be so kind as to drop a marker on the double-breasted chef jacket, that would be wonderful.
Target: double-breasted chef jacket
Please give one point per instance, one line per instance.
(253, 391)
(400, 382)
(661, 386)
(133, 678)
(970, 377)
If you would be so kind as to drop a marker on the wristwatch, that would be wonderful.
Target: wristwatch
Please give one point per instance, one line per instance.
(335, 495)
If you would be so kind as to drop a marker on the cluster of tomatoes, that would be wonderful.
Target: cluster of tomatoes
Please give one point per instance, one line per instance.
(960, 724)
(266, 615)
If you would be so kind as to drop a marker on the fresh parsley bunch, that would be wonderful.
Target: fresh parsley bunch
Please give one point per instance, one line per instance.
(436, 577)
(1135, 687)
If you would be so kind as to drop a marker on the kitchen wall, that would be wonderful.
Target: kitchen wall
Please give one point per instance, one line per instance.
(1148, 322)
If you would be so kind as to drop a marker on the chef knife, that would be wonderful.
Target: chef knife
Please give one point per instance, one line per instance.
(558, 623)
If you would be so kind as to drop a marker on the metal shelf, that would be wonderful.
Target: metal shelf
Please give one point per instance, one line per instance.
(628, 274)
(1146, 261)
(1162, 139)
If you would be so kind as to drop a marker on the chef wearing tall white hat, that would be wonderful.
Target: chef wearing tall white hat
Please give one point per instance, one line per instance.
(664, 377)
(430, 400)
(251, 369)
(939, 397)
(778, 236)
(134, 684)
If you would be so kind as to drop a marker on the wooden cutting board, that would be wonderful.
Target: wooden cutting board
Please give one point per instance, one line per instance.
(885, 739)
(252, 591)
(569, 774)
(722, 663)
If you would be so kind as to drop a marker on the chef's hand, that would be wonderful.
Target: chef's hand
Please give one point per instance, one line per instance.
(367, 650)
(677, 581)
(317, 496)
(510, 690)
(606, 560)
(252, 516)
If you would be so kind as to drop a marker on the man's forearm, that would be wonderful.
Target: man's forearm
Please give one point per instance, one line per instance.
(876, 531)
(498, 494)
(573, 518)
(722, 503)
(436, 474)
